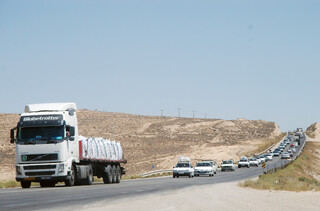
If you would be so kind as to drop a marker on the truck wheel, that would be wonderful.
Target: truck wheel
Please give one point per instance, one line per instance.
(118, 174)
(70, 181)
(107, 176)
(189, 175)
(25, 184)
(114, 173)
(89, 179)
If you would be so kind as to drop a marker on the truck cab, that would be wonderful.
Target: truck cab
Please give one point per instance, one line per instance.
(46, 144)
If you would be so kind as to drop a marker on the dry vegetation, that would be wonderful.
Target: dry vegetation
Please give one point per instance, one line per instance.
(301, 175)
(148, 140)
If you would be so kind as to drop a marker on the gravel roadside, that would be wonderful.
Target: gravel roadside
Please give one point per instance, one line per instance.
(226, 196)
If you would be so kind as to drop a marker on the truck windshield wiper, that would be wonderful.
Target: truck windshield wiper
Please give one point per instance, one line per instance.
(30, 142)
(52, 141)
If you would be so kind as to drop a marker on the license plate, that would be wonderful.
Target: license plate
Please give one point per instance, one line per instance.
(45, 177)
(30, 178)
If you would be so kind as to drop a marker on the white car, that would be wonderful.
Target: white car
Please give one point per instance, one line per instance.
(253, 162)
(263, 159)
(259, 160)
(269, 156)
(285, 155)
(228, 165)
(205, 168)
(183, 169)
(244, 162)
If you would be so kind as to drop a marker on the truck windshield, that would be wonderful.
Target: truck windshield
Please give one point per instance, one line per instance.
(227, 162)
(41, 133)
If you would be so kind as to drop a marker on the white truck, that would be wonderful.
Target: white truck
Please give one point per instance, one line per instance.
(49, 149)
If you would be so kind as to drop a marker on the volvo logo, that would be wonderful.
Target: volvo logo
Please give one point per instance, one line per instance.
(24, 158)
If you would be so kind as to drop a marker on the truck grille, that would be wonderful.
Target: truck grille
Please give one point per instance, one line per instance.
(39, 167)
(40, 173)
(39, 157)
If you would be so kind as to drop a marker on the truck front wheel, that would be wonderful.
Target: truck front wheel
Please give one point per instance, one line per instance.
(25, 184)
(70, 181)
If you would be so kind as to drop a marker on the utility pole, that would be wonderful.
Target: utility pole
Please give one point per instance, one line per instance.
(205, 115)
(179, 112)
(193, 114)
(161, 113)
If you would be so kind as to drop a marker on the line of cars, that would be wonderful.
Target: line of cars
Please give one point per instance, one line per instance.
(290, 140)
(209, 167)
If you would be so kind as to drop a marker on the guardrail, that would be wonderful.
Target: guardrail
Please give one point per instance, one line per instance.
(267, 150)
(271, 168)
(150, 173)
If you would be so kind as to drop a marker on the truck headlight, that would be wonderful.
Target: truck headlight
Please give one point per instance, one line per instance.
(61, 167)
(18, 170)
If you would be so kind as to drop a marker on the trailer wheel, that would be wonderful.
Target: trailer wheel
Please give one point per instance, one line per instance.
(118, 174)
(114, 173)
(107, 176)
(89, 179)
(25, 184)
(70, 182)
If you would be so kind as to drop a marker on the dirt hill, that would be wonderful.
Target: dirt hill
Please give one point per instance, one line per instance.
(313, 131)
(149, 140)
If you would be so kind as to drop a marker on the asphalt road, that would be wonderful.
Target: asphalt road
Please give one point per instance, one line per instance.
(68, 197)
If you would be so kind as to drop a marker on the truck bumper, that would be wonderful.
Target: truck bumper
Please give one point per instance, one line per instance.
(42, 172)
(44, 178)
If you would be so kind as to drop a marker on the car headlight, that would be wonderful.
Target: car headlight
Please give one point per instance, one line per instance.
(61, 167)
(18, 170)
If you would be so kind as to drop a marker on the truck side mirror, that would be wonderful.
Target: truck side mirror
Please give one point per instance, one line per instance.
(72, 131)
(12, 139)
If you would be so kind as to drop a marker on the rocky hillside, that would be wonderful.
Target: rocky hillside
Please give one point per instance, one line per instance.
(149, 140)
(313, 131)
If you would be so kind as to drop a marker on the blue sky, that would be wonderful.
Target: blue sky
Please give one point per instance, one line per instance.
(226, 59)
